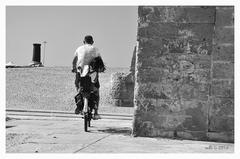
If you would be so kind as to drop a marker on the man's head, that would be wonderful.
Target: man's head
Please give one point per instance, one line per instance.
(88, 39)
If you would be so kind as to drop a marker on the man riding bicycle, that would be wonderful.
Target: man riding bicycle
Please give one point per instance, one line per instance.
(87, 58)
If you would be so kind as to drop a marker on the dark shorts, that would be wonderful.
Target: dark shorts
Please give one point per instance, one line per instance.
(83, 80)
(86, 89)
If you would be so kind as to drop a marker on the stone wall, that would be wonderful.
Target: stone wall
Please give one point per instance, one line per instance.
(132, 67)
(184, 73)
(221, 112)
(122, 86)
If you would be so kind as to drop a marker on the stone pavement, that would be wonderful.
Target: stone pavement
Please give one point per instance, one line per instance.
(62, 135)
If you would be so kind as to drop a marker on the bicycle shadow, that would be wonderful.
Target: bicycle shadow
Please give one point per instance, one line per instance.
(126, 131)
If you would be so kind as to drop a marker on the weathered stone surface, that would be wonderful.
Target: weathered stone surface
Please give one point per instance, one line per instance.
(175, 68)
(221, 115)
(156, 30)
(198, 110)
(224, 35)
(192, 135)
(149, 75)
(177, 38)
(191, 115)
(223, 53)
(225, 16)
(204, 14)
(122, 88)
(223, 88)
(150, 47)
(181, 62)
(184, 62)
(202, 62)
(197, 91)
(176, 14)
(132, 67)
(200, 76)
(150, 90)
(223, 70)
(171, 89)
(221, 136)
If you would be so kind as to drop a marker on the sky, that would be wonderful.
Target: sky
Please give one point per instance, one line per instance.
(114, 29)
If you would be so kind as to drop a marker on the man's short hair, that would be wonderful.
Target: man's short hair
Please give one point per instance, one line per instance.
(88, 39)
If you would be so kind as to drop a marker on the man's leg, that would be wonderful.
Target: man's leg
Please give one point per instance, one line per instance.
(77, 81)
(78, 97)
(96, 115)
(79, 103)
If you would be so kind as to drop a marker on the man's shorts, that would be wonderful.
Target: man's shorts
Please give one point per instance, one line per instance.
(86, 89)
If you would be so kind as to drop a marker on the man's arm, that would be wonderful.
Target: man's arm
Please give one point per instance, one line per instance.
(99, 61)
(74, 63)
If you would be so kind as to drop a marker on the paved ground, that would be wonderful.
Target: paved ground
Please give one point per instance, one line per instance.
(64, 135)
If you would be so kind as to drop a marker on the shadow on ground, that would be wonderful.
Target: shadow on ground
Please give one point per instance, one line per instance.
(9, 126)
(126, 131)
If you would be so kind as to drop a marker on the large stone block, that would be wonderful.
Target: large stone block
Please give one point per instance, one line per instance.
(202, 14)
(166, 61)
(156, 30)
(195, 91)
(192, 135)
(221, 115)
(200, 76)
(192, 116)
(172, 86)
(149, 74)
(151, 47)
(151, 90)
(198, 110)
(199, 61)
(221, 136)
(175, 69)
(224, 35)
(177, 14)
(223, 53)
(162, 60)
(202, 62)
(223, 88)
(225, 16)
(182, 90)
(176, 38)
(223, 70)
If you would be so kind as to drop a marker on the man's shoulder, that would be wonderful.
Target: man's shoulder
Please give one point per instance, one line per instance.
(88, 49)
(96, 50)
(80, 47)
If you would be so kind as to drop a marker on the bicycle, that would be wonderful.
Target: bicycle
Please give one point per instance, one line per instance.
(87, 85)
(87, 99)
